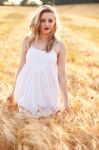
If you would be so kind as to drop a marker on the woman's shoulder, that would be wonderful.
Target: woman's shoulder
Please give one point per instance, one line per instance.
(26, 39)
(60, 43)
(25, 43)
(60, 46)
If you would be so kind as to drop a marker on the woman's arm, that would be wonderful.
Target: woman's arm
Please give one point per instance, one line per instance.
(62, 76)
(22, 60)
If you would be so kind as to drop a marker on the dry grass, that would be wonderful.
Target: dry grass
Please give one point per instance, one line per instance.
(76, 131)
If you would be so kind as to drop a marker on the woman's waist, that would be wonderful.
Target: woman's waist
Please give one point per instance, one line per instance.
(39, 65)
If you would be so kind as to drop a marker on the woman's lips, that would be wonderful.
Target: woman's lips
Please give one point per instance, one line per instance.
(46, 28)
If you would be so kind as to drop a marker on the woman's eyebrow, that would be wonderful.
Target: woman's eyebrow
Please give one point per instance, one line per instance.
(46, 18)
(42, 19)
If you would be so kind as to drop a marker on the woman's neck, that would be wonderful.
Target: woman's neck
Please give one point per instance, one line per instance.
(44, 37)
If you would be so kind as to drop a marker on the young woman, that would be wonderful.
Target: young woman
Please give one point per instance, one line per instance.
(41, 76)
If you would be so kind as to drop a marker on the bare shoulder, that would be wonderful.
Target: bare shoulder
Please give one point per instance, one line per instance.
(25, 43)
(60, 47)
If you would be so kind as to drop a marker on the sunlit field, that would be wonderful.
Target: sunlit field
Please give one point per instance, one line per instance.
(78, 130)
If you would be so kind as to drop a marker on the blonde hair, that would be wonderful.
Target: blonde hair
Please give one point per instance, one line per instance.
(35, 23)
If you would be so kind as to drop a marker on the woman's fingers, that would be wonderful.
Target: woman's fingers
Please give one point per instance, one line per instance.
(57, 112)
(10, 99)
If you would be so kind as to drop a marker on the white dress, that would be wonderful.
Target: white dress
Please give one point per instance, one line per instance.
(37, 88)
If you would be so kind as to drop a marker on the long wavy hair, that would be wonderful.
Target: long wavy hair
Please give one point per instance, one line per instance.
(35, 24)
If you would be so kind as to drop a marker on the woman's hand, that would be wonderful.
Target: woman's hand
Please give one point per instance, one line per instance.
(10, 98)
(12, 106)
(67, 108)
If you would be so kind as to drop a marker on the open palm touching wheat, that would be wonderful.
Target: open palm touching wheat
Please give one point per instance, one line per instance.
(78, 130)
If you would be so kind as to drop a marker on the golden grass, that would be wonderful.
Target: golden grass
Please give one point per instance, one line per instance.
(76, 131)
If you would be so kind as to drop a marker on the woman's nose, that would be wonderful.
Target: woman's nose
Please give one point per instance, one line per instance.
(47, 23)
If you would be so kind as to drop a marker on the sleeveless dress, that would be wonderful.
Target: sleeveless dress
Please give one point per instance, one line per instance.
(37, 88)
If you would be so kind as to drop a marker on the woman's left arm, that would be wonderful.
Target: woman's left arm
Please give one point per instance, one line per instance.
(62, 76)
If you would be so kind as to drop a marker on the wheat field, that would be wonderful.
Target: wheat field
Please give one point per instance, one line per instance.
(78, 130)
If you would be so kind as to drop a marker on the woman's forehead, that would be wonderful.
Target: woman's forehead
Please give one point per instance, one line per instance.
(48, 15)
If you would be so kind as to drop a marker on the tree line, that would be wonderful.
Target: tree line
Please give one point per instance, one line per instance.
(68, 1)
(56, 2)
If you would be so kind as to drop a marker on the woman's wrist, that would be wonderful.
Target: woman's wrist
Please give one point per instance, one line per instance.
(66, 103)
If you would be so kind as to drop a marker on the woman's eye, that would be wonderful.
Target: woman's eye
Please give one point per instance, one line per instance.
(42, 20)
(50, 20)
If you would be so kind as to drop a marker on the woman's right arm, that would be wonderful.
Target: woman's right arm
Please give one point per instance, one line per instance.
(22, 61)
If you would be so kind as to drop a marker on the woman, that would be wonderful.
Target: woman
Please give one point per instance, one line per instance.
(41, 76)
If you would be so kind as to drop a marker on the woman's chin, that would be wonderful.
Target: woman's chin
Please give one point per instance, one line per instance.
(47, 33)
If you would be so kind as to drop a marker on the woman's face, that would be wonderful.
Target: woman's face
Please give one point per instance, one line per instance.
(47, 22)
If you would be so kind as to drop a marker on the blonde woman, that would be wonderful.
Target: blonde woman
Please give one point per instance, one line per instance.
(41, 76)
